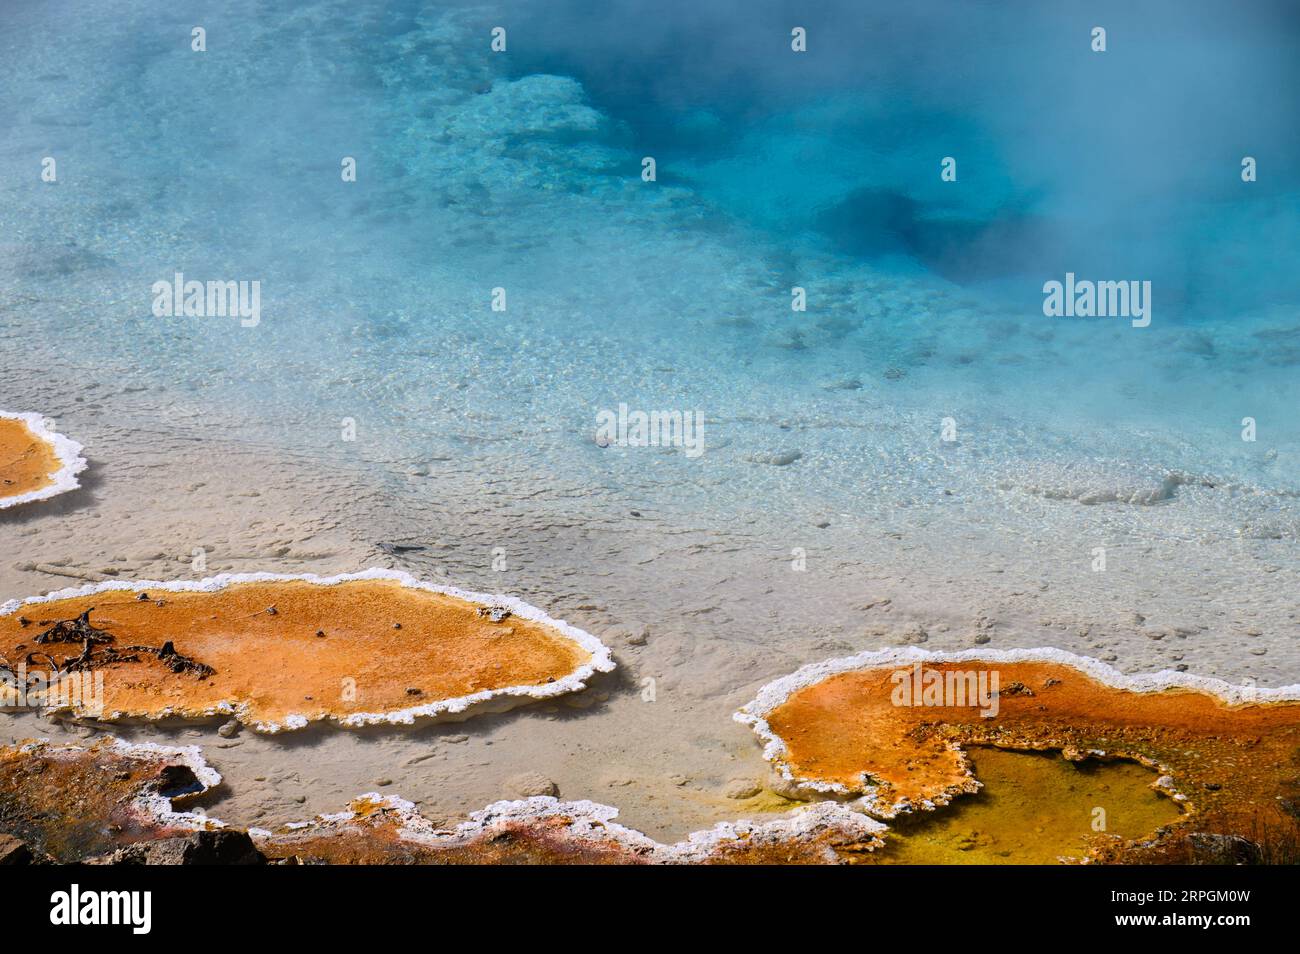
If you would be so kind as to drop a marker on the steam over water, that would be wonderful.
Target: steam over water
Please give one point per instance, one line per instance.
(523, 171)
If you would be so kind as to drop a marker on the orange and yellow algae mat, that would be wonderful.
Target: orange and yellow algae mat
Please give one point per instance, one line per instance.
(942, 745)
(72, 803)
(895, 730)
(543, 830)
(278, 652)
(35, 462)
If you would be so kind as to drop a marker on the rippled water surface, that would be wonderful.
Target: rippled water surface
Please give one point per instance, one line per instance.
(522, 171)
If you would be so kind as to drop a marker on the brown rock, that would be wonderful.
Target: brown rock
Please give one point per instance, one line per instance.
(14, 851)
(223, 847)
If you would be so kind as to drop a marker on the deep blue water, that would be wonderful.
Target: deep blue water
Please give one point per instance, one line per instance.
(1124, 162)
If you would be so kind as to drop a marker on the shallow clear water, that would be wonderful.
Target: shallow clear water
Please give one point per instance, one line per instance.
(821, 170)
(1034, 808)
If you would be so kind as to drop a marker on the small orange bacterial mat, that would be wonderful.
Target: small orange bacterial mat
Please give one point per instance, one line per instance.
(35, 462)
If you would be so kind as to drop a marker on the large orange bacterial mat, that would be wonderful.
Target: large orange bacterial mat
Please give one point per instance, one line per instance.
(279, 652)
(1229, 755)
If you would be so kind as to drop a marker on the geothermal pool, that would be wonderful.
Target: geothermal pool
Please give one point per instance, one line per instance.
(836, 276)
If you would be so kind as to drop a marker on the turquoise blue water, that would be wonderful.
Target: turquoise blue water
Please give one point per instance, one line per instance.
(522, 170)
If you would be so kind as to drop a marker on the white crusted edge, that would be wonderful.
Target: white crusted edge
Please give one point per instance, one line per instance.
(593, 822)
(152, 804)
(774, 694)
(586, 820)
(68, 451)
(601, 659)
